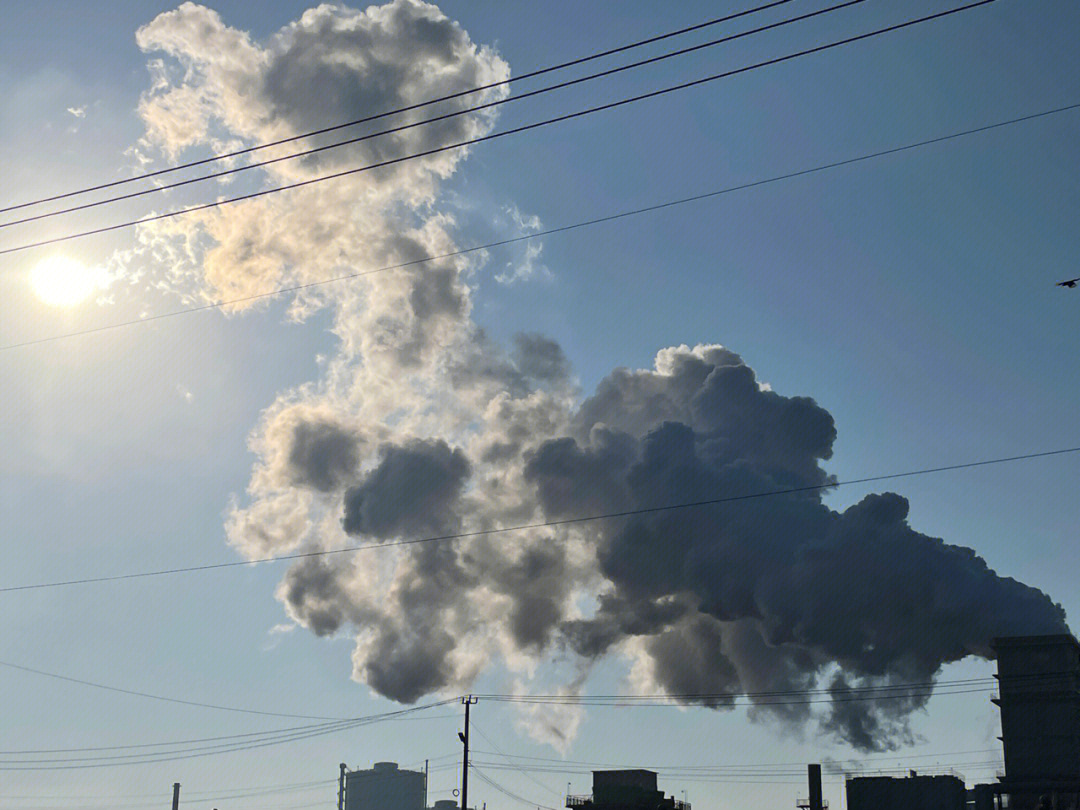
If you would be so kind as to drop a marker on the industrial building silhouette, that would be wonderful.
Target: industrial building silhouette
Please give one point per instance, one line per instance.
(1039, 701)
(913, 792)
(384, 787)
(1039, 698)
(625, 790)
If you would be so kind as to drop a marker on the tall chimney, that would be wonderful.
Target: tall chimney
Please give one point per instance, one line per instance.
(813, 775)
(176, 796)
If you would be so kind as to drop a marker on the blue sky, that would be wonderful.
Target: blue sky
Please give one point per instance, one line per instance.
(911, 296)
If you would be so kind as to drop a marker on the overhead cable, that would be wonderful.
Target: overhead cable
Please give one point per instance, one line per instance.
(424, 122)
(541, 233)
(729, 699)
(491, 782)
(1027, 680)
(252, 742)
(492, 136)
(172, 743)
(706, 777)
(162, 697)
(795, 766)
(537, 525)
(399, 110)
(524, 773)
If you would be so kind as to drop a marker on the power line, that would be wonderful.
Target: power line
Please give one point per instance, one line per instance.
(538, 525)
(708, 775)
(162, 697)
(167, 699)
(783, 697)
(173, 743)
(866, 762)
(547, 232)
(250, 734)
(426, 121)
(564, 699)
(83, 763)
(212, 797)
(254, 742)
(368, 119)
(146, 756)
(715, 701)
(727, 699)
(720, 774)
(569, 766)
(229, 795)
(716, 774)
(493, 136)
(506, 792)
(535, 781)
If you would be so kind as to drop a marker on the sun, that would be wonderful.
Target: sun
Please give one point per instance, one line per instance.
(61, 281)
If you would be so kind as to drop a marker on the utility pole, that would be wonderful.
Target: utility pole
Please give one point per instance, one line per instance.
(176, 796)
(341, 788)
(468, 701)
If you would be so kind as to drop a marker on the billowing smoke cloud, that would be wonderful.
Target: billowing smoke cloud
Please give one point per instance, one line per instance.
(421, 426)
(858, 593)
(321, 455)
(412, 491)
(776, 594)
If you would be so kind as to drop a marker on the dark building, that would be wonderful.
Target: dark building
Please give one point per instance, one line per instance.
(980, 797)
(1039, 697)
(385, 787)
(911, 793)
(625, 790)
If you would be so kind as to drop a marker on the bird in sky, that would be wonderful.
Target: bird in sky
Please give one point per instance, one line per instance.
(1068, 283)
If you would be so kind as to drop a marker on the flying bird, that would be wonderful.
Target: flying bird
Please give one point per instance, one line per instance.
(1068, 283)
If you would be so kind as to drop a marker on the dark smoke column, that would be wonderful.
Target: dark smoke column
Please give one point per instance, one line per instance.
(776, 593)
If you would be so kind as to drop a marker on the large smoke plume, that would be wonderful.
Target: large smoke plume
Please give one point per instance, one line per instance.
(422, 426)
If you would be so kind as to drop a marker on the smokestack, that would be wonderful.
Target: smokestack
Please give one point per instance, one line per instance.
(341, 788)
(813, 775)
(176, 796)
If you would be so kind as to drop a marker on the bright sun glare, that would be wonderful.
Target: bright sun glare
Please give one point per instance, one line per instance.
(63, 282)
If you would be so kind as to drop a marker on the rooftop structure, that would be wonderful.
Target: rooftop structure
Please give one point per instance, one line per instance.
(385, 787)
(911, 793)
(625, 790)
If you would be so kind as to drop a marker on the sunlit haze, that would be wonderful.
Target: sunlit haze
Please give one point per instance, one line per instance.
(61, 281)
